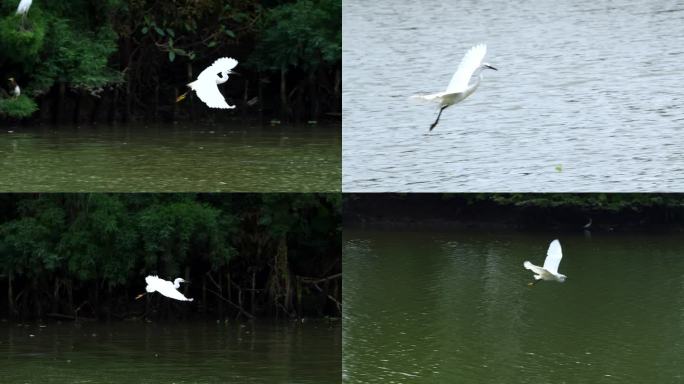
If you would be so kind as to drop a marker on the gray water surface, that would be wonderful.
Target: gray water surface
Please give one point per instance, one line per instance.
(171, 158)
(588, 96)
(455, 307)
(263, 352)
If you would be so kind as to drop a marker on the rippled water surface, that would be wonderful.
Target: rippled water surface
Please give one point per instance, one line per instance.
(171, 353)
(588, 96)
(171, 158)
(429, 307)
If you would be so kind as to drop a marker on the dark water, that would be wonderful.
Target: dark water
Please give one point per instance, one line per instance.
(171, 158)
(430, 307)
(163, 353)
(588, 96)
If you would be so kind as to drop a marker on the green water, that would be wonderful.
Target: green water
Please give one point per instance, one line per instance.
(454, 307)
(171, 353)
(229, 158)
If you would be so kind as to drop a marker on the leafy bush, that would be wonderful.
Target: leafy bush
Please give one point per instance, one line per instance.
(17, 107)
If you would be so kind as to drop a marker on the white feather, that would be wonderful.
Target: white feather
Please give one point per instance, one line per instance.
(206, 85)
(553, 257)
(164, 287)
(471, 61)
(23, 7)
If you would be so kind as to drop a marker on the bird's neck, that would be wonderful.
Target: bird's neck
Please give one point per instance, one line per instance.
(473, 86)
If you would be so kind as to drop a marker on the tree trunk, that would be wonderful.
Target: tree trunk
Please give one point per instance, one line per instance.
(10, 295)
(253, 292)
(191, 96)
(338, 94)
(70, 296)
(55, 297)
(204, 294)
(77, 108)
(313, 97)
(220, 302)
(283, 94)
(261, 98)
(36, 298)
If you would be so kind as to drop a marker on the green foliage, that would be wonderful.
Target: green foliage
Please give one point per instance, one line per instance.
(170, 231)
(21, 45)
(599, 201)
(75, 57)
(305, 34)
(107, 241)
(17, 107)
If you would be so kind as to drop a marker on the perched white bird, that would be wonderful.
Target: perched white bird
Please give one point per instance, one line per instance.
(164, 287)
(23, 7)
(459, 87)
(14, 87)
(206, 85)
(550, 269)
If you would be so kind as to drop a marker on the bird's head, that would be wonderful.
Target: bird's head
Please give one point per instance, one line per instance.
(11, 80)
(487, 66)
(178, 281)
(561, 278)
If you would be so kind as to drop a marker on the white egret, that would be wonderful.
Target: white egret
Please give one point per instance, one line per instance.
(550, 269)
(14, 87)
(23, 7)
(206, 85)
(459, 87)
(164, 287)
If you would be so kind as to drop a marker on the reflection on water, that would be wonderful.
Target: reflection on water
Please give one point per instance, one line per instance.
(171, 353)
(446, 308)
(595, 90)
(171, 158)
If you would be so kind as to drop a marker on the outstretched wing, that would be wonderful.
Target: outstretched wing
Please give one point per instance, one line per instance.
(172, 293)
(470, 62)
(207, 91)
(153, 280)
(23, 7)
(553, 257)
(223, 64)
(206, 84)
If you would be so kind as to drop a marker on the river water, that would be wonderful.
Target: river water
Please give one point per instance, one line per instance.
(171, 353)
(588, 96)
(171, 158)
(455, 307)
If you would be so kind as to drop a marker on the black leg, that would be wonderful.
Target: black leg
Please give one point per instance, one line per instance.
(437, 120)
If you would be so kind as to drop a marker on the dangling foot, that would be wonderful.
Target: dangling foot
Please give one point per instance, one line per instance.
(181, 97)
(438, 116)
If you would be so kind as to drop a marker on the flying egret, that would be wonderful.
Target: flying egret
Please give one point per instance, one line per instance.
(164, 287)
(23, 9)
(459, 87)
(14, 87)
(550, 269)
(206, 85)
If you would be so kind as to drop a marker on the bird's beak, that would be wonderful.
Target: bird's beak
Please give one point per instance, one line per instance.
(490, 67)
(235, 73)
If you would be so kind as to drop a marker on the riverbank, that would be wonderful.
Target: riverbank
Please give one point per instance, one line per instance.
(607, 212)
